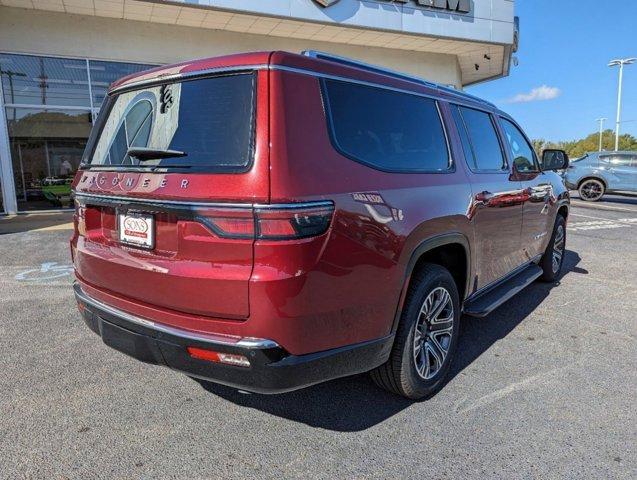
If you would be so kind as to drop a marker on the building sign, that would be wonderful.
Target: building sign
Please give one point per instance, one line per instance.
(460, 6)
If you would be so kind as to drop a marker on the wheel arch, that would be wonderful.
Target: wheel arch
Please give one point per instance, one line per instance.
(592, 177)
(427, 252)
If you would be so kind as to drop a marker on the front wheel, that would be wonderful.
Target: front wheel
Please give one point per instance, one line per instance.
(426, 337)
(553, 257)
(591, 190)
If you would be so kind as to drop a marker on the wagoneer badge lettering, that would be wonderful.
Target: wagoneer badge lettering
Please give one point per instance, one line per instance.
(129, 182)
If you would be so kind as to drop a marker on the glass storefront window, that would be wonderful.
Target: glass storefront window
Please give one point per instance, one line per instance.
(105, 73)
(50, 103)
(35, 80)
(46, 149)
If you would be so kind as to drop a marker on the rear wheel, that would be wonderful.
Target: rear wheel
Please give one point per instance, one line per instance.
(591, 190)
(553, 257)
(426, 337)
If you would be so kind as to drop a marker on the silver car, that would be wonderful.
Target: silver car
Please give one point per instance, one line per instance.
(598, 173)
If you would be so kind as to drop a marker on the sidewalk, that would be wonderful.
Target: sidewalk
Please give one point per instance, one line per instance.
(49, 221)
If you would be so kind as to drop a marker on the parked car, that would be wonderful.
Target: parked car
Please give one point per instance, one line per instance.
(272, 220)
(598, 173)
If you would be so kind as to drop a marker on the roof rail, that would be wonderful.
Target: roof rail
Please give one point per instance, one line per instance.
(391, 73)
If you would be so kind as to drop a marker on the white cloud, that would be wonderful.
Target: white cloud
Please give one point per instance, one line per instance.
(537, 94)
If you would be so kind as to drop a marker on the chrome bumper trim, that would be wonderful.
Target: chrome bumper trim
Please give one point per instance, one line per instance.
(246, 342)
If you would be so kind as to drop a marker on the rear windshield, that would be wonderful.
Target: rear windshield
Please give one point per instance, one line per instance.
(210, 121)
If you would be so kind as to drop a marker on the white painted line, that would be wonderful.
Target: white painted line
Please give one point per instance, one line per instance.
(603, 207)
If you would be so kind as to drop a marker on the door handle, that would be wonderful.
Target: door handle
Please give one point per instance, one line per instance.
(485, 196)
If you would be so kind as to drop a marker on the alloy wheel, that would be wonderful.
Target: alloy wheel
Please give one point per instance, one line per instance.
(433, 333)
(558, 248)
(591, 190)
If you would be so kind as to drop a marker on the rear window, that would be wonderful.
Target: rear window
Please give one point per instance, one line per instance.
(210, 120)
(387, 130)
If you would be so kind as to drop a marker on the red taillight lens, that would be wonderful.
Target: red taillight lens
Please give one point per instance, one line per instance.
(218, 357)
(294, 222)
(272, 222)
(228, 222)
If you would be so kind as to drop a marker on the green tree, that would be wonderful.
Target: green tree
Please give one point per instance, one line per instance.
(577, 148)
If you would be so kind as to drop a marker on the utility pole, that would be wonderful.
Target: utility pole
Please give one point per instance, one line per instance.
(601, 131)
(620, 63)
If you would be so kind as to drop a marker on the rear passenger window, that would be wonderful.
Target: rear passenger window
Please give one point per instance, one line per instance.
(480, 140)
(387, 130)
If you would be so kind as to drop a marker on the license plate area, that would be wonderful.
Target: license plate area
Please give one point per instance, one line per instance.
(135, 228)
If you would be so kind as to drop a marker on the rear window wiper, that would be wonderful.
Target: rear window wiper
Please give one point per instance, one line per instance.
(143, 154)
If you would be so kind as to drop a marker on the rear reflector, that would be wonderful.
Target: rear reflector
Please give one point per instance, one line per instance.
(274, 222)
(218, 357)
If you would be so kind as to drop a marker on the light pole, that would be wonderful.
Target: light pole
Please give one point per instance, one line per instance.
(601, 131)
(621, 63)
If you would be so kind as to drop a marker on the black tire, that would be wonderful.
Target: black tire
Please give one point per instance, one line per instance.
(399, 374)
(591, 190)
(556, 247)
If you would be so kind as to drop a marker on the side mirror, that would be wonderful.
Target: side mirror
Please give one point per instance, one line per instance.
(554, 160)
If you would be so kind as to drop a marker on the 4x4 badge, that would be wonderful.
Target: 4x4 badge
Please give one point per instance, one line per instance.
(373, 200)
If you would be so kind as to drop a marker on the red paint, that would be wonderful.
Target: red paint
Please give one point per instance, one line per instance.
(312, 294)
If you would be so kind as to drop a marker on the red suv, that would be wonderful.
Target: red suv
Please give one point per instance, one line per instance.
(272, 220)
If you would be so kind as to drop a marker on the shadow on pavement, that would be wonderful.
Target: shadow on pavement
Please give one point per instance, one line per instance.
(36, 221)
(609, 200)
(355, 403)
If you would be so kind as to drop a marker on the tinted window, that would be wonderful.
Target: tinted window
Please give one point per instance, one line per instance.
(384, 129)
(521, 151)
(464, 136)
(485, 153)
(209, 119)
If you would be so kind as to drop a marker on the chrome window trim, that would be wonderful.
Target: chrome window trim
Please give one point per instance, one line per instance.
(186, 203)
(246, 342)
(459, 99)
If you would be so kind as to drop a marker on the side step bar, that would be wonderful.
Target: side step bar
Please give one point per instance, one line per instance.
(493, 298)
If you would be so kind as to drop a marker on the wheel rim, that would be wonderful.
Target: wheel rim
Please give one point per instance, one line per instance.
(433, 333)
(591, 190)
(558, 248)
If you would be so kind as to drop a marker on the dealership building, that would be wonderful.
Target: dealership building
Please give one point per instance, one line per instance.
(57, 58)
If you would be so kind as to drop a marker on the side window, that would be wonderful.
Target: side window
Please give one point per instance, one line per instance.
(620, 161)
(387, 130)
(485, 152)
(521, 152)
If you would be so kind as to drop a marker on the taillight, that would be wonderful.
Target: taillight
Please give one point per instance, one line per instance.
(288, 223)
(271, 222)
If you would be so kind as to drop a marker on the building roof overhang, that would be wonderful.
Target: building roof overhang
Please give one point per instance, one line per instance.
(481, 39)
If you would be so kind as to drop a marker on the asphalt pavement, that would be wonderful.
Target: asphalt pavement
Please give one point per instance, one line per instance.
(544, 387)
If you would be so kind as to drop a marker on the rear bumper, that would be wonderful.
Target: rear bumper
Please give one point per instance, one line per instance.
(271, 370)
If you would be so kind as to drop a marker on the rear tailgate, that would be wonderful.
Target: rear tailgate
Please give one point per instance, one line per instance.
(195, 253)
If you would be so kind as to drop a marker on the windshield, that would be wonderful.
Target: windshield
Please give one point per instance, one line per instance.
(192, 117)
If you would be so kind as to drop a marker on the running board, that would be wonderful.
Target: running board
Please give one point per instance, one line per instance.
(493, 298)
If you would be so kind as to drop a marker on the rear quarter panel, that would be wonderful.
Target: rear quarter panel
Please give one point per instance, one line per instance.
(346, 288)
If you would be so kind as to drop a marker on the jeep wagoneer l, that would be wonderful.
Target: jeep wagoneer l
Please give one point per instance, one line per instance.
(272, 220)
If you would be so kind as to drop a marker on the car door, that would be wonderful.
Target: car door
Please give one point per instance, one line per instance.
(623, 170)
(538, 196)
(496, 206)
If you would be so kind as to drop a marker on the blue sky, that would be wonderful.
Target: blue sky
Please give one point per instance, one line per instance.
(565, 46)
